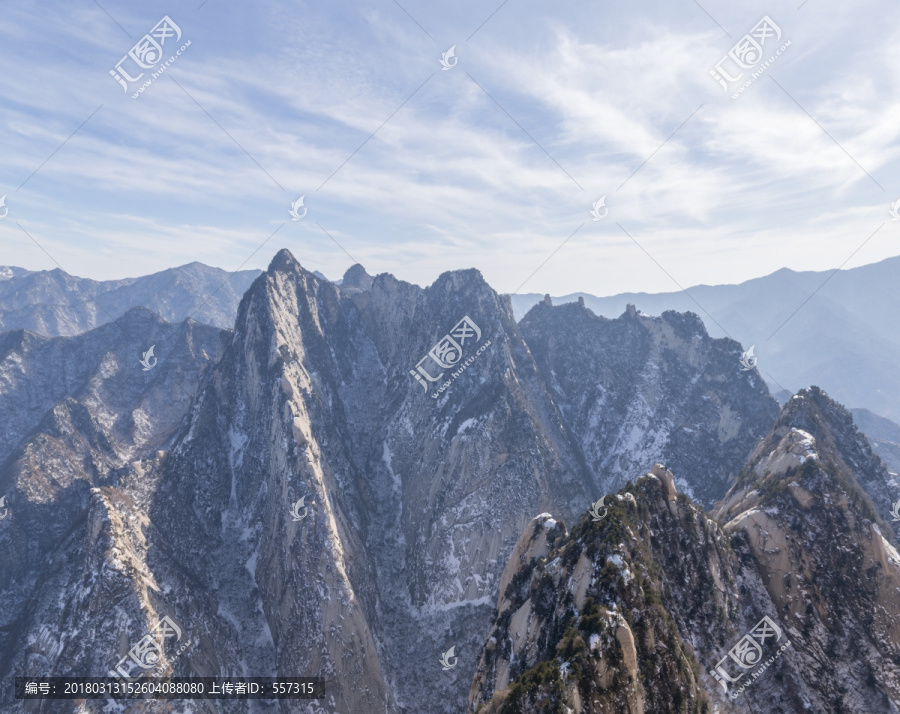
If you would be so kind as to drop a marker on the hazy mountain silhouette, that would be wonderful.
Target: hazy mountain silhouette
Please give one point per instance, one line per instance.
(53, 303)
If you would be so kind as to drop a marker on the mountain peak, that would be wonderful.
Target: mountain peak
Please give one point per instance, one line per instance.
(812, 411)
(356, 278)
(813, 440)
(795, 449)
(283, 260)
(454, 280)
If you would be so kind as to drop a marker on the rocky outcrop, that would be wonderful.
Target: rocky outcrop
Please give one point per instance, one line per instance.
(354, 473)
(812, 424)
(802, 521)
(582, 624)
(784, 600)
(624, 395)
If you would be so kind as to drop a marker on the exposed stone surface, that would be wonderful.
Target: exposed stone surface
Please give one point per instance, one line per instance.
(623, 392)
(316, 511)
(671, 592)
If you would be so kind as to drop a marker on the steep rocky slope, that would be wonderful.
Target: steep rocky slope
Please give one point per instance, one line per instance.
(353, 475)
(883, 435)
(82, 413)
(839, 442)
(640, 389)
(807, 516)
(786, 600)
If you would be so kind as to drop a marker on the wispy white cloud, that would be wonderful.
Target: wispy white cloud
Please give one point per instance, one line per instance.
(745, 187)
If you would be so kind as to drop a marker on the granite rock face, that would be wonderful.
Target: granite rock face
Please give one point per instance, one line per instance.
(343, 481)
(84, 423)
(782, 599)
(638, 389)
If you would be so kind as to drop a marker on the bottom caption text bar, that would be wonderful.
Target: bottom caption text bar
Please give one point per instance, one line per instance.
(171, 688)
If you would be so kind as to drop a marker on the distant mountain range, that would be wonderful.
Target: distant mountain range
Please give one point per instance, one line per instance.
(845, 339)
(842, 339)
(53, 303)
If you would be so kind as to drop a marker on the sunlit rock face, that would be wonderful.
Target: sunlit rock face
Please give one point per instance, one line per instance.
(322, 507)
(783, 599)
(638, 390)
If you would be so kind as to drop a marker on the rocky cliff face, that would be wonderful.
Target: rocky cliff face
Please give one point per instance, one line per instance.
(83, 417)
(639, 389)
(354, 473)
(412, 502)
(807, 516)
(784, 600)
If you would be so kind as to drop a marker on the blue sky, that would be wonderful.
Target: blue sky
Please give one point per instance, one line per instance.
(493, 164)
